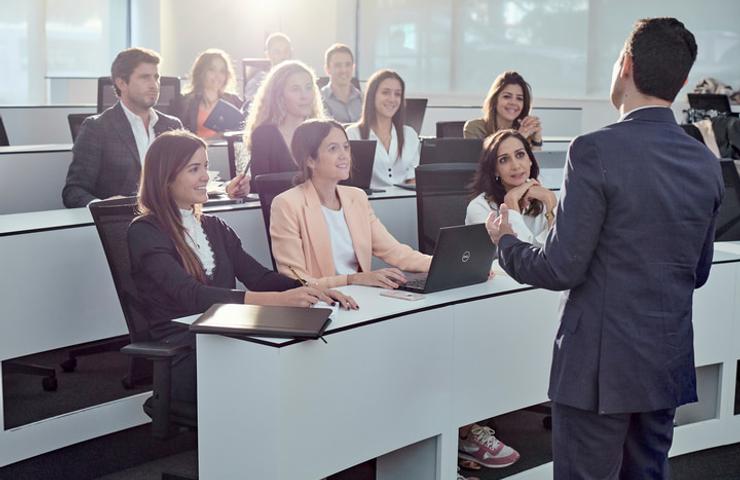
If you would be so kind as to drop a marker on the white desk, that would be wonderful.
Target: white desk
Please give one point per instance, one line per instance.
(398, 378)
(34, 175)
(56, 290)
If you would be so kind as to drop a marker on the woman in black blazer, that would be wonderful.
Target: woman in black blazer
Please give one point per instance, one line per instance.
(212, 79)
(183, 261)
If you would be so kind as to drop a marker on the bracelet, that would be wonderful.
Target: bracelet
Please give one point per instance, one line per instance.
(549, 216)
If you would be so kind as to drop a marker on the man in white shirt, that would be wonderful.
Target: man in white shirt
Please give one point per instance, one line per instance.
(110, 148)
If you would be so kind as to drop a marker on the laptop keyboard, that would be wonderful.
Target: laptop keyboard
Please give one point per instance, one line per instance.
(415, 281)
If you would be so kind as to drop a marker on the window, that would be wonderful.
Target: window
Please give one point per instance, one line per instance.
(46, 39)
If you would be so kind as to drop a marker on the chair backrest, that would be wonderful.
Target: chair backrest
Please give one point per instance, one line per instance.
(442, 198)
(232, 138)
(450, 150)
(450, 129)
(269, 186)
(169, 94)
(3, 134)
(321, 82)
(727, 228)
(692, 131)
(415, 110)
(112, 218)
(75, 122)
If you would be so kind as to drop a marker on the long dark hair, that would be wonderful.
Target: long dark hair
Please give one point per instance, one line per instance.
(306, 142)
(167, 156)
(498, 85)
(370, 114)
(486, 179)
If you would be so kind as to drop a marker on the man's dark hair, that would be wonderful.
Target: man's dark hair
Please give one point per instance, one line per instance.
(127, 61)
(662, 52)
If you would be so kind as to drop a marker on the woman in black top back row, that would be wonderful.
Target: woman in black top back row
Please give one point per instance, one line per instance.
(183, 261)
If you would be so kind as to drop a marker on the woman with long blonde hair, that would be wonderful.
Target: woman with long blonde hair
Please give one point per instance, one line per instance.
(286, 98)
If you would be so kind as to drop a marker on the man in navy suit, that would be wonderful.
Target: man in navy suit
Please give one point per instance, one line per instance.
(632, 239)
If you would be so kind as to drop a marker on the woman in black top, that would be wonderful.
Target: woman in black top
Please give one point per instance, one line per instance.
(286, 98)
(183, 261)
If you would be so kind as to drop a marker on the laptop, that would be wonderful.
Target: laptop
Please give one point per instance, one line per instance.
(263, 321)
(462, 256)
(415, 110)
(363, 160)
(727, 226)
(450, 150)
(710, 101)
(224, 117)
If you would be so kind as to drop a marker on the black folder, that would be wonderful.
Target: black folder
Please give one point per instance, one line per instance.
(259, 321)
(224, 117)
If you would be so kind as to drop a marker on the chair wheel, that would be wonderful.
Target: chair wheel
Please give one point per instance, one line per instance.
(69, 365)
(49, 384)
(547, 422)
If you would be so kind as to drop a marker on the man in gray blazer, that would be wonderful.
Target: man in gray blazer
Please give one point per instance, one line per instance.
(109, 150)
(633, 238)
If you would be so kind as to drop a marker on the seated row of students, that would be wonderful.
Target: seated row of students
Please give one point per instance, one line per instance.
(322, 233)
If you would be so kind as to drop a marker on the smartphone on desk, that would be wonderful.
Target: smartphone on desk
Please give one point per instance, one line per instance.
(402, 295)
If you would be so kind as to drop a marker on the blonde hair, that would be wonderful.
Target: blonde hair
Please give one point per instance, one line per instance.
(201, 65)
(267, 106)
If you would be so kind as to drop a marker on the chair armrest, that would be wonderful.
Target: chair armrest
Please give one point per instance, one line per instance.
(154, 349)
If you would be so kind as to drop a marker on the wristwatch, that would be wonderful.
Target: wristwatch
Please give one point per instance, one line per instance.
(535, 143)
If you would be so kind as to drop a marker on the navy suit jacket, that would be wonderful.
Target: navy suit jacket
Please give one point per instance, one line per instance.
(633, 238)
(105, 159)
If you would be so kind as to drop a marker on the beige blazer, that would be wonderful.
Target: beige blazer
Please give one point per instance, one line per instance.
(300, 236)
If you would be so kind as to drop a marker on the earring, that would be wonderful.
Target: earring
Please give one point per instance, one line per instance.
(498, 178)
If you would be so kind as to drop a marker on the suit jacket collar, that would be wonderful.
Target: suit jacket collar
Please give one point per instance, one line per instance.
(651, 114)
(318, 230)
(123, 128)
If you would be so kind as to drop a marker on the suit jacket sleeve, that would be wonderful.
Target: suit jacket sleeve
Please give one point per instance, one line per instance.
(571, 243)
(707, 252)
(249, 271)
(83, 171)
(393, 252)
(154, 253)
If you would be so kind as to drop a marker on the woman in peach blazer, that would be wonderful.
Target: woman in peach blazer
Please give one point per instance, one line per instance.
(327, 233)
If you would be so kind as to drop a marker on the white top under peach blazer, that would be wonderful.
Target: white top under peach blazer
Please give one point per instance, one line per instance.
(300, 236)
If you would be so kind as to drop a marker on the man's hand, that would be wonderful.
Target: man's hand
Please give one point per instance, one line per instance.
(499, 226)
(238, 186)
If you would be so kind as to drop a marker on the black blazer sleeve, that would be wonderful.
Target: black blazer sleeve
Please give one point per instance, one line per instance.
(85, 166)
(248, 270)
(564, 260)
(154, 254)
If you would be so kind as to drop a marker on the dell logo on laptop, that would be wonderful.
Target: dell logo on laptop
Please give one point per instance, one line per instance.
(466, 256)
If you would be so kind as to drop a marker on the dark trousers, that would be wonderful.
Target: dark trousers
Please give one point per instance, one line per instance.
(625, 446)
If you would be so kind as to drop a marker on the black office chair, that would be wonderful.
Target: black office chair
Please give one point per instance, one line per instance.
(692, 131)
(450, 129)
(442, 198)
(75, 122)
(232, 138)
(415, 110)
(269, 186)
(323, 81)
(169, 95)
(727, 226)
(3, 134)
(112, 218)
(250, 68)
